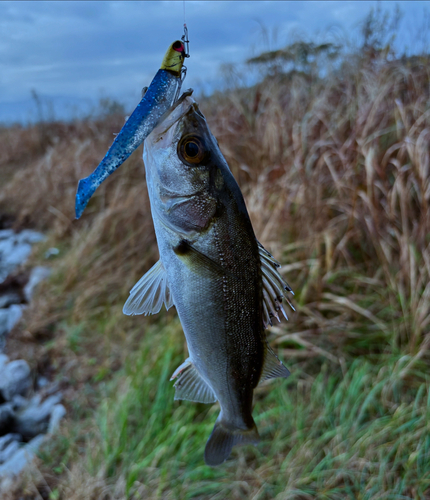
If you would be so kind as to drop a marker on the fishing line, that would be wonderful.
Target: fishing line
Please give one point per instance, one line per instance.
(186, 43)
(184, 37)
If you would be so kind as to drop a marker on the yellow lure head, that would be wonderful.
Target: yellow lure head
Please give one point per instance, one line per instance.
(174, 58)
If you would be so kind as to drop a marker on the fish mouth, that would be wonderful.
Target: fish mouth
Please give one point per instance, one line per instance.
(179, 109)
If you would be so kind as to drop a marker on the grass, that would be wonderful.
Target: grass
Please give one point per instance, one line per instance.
(335, 174)
(362, 433)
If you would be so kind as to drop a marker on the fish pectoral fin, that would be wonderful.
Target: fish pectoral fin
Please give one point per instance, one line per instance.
(198, 261)
(190, 385)
(149, 293)
(275, 288)
(273, 367)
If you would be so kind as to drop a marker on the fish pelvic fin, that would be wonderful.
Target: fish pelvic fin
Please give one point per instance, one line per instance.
(190, 384)
(224, 437)
(150, 293)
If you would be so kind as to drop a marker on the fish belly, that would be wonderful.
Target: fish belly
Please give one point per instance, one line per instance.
(222, 334)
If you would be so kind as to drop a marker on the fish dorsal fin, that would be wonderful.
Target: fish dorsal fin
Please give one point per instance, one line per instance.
(149, 293)
(275, 288)
(190, 384)
(273, 367)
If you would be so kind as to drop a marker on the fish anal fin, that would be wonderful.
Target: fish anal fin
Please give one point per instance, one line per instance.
(190, 385)
(149, 293)
(273, 367)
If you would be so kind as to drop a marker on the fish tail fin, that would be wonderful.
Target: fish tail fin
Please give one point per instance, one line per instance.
(224, 437)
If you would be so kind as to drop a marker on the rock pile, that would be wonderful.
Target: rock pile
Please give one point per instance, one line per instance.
(16, 290)
(24, 421)
(30, 409)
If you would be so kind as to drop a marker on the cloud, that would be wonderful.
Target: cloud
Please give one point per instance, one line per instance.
(77, 48)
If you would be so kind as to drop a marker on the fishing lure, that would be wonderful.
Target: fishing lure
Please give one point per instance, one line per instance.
(159, 97)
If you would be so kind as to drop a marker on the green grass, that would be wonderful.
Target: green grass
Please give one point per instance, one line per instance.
(363, 433)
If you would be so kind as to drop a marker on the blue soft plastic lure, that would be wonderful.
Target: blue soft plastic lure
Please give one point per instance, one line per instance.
(157, 100)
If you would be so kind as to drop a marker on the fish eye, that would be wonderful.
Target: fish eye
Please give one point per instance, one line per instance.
(191, 150)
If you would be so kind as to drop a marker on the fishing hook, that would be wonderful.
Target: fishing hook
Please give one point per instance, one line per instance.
(184, 38)
(186, 43)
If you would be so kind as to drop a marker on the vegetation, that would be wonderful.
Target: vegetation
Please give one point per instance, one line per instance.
(335, 173)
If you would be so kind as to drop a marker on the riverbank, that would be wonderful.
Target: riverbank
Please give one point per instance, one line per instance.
(334, 172)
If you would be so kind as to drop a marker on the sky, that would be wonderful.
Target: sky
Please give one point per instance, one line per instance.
(73, 53)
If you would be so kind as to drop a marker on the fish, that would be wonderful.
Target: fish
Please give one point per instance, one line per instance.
(225, 286)
(157, 99)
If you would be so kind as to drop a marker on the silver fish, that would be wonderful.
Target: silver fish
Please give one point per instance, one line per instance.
(226, 287)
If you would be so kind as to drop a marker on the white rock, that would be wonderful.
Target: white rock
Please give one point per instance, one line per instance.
(6, 417)
(42, 382)
(4, 360)
(19, 402)
(12, 254)
(35, 443)
(9, 451)
(15, 248)
(30, 236)
(21, 458)
(6, 234)
(38, 274)
(35, 419)
(15, 314)
(9, 298)
(15, 379)
(57, 414)
(4, 317)
(34, 401)
(51, 252)
(7, 439)
(9, 317)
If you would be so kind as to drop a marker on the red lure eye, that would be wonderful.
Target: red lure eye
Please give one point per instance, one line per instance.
(178, 46)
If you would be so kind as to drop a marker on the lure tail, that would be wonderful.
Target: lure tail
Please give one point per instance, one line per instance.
(86, 188)
(224, 437)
